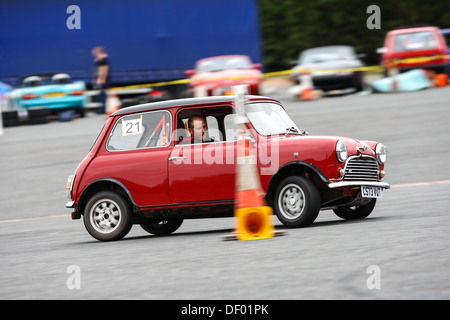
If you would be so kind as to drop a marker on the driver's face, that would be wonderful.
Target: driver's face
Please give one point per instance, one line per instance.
(198, 129)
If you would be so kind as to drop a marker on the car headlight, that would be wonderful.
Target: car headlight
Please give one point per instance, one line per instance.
(69, 186)
(381, 152)
(341, 151)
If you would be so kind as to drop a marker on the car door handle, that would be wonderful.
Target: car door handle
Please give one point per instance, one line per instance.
(176, 158)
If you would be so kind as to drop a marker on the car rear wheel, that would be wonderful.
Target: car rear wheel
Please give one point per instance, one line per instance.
(356, 212)
(161, 226)
(297, 202)
(107, 216)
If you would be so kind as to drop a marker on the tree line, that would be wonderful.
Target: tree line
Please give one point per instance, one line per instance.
(290, 26)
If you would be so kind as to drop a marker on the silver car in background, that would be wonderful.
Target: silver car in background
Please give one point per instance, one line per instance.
(331, 67)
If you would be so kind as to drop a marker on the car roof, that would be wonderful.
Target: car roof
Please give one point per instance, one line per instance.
(223, 56)
(19, 80)
(184, 102)
(330, 47)
(414, 29)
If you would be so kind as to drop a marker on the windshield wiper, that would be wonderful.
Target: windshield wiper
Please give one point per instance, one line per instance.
(292, 130)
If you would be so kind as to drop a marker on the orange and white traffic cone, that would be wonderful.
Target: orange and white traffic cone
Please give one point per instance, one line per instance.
(113, 102)
(252, 215)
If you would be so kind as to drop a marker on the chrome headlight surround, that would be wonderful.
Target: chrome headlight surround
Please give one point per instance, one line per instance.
(69, 186)
(381, 152)
(341, 151)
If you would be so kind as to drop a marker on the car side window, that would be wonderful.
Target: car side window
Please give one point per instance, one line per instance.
(215, 117)
(141, 130)
(213, 129)
(230, 127)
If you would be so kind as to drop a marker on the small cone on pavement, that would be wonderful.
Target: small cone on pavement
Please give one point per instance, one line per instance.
(307, 92)
(112, 102)
(394, 73)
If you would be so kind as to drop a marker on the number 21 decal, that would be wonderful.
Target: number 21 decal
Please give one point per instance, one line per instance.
(132, 127)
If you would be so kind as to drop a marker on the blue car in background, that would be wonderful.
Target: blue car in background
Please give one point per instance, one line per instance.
(53, 91)
(446, 34)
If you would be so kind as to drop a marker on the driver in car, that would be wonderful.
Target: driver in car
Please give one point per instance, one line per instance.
(198, 127)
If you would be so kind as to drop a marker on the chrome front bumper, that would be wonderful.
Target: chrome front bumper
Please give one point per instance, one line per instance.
(341, 184)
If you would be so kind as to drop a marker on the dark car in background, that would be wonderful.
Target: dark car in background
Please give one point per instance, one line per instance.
(446, 34)
(331, 67)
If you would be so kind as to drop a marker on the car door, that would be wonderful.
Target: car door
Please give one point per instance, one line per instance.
(202, 172)
(136, 156)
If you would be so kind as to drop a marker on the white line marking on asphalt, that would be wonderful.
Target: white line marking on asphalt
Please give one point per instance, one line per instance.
(35, 218)
(404, 185)
(420, 184)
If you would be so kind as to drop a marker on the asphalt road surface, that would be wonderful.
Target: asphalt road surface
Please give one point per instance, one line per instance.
(401, 251)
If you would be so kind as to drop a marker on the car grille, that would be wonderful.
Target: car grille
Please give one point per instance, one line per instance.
(361, 168)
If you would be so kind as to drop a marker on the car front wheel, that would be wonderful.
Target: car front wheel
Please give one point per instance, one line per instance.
(356, 212)
(107, 216)
(296, 202)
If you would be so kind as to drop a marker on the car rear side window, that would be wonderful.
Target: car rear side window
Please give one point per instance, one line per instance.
(141, 130)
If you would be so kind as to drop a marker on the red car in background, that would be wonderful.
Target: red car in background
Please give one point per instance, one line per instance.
(215, 76)
(412, 48)
(141, 171)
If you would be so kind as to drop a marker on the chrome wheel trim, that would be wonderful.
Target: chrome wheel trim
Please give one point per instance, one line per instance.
(105, 216)
(291, 201)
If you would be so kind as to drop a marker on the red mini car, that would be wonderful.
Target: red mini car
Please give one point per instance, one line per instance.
(411, 48)
(156, 164)
(215, 76)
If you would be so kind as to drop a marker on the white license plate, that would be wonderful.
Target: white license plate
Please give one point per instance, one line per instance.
(371, 192)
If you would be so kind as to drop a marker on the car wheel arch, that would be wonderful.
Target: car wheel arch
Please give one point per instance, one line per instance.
(296, 168)
(104, 184)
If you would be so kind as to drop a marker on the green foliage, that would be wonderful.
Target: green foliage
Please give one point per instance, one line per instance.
(290, 26)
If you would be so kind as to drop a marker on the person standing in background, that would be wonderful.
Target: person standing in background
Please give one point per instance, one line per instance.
(101, 75)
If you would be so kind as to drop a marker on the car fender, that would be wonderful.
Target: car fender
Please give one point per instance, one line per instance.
(103, 184)
(293, 168)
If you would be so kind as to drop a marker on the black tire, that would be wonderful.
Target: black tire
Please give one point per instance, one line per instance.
(10, 118)
(296, 202)
(161, 226)
(356, 212)
(82, 112)
(359, 85)
(108, 216)
(38, 115)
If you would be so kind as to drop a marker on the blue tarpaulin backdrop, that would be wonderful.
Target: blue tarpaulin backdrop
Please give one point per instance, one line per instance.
(141, 36)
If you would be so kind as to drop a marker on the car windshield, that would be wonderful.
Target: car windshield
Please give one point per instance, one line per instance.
(224, 63)
(323, 54)
(415, 41)
(270, 119)
(43, 79)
